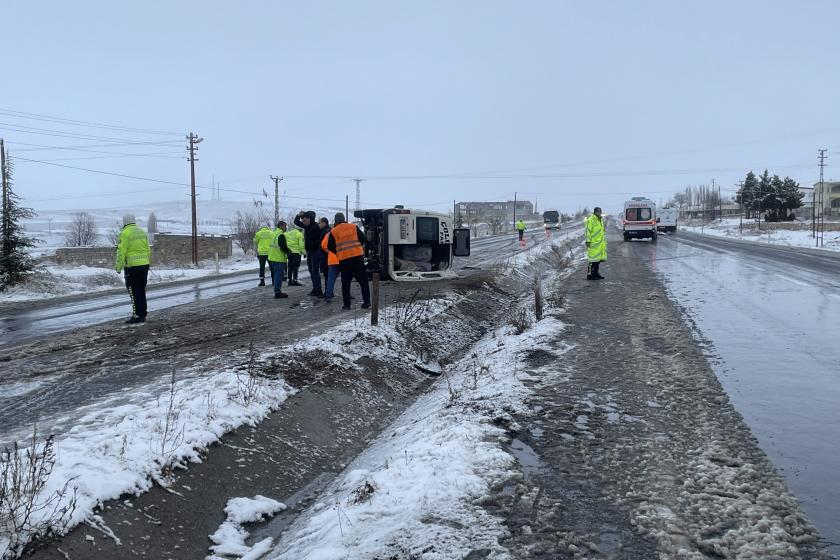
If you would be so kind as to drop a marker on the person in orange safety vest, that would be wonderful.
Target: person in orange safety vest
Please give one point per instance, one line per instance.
(348, 243)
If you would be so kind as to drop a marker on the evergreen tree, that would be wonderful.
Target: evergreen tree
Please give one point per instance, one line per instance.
(791, 195)
(765, 191)
(151, 227)
(747, 195)
(15, 262)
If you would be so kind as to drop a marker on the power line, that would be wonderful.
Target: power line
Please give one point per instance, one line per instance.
(165, 155)
(659, 154)
(90, 124)
(163, 181)
(650, 172)
(84, 148)
(58, 133)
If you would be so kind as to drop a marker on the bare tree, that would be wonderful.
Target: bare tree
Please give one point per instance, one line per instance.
(496, 223)
(113, 234)
(82, 231)
(473, 223)
(243, 229)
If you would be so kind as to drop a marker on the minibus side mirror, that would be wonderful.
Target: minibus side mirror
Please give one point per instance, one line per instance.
(462, 242)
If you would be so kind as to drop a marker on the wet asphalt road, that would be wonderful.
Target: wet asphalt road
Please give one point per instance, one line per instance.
(768, 319)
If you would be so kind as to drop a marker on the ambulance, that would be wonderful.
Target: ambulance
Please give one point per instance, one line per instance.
(639, 219)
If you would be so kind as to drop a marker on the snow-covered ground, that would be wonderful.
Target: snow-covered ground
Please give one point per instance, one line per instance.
(123, 445)
(417, 490)
(800, 237)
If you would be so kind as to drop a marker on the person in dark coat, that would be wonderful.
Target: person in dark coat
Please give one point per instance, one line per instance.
(312, 245)
(324, 224)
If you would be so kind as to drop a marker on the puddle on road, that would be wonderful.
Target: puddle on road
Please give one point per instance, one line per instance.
(527, 457)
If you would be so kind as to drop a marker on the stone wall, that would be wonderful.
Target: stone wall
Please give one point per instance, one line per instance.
(171, 249)
(101, 257)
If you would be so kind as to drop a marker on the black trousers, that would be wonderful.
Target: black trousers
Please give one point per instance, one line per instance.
(521, 234)
(294, 266)
(135, 280)
(262, 259)
(354, 268)
(593, 268)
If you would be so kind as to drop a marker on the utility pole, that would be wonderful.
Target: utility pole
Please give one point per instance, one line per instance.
(820, 229)
(276, 198)
(741, 208)
(710, 196)
(514, 208)
(347, 206)
(358, 194)
(720, 205)
(193, 139)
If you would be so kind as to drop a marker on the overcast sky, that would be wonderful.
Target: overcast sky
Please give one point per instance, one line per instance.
(574, 103)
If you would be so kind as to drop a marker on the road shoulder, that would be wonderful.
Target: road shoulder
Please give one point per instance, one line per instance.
(633, 449)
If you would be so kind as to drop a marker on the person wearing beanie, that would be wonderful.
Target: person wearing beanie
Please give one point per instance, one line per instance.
(596, 244)
(133, 259)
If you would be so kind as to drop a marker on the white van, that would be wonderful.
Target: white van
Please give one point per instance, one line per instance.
(666, 219)
(639, 219)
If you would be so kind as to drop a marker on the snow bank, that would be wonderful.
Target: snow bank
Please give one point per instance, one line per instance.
(418, 490)
(126, 444)
(769, 234)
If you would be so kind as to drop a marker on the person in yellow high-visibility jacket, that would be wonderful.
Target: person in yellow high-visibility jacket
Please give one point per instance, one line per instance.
(134, 256)
(596, 244)
(262, 241)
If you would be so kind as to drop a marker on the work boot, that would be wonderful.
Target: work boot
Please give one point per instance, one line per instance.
(316, 293)
(346, 308)
(262, 283)
(591, 277)
(598, 276)
(135, 319)
(279, 295)
(365, 306)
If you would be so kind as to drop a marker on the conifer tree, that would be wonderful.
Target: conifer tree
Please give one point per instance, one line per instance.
(15, 261)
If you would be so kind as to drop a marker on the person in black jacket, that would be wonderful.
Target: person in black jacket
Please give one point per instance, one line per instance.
(324, 224)
(312, 244)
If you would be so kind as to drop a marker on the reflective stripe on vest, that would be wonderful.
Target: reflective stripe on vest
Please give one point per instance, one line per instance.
(347, 243)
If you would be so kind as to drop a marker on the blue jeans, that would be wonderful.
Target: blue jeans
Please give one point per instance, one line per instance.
(278, 269)
(332, 275)
(313, 259)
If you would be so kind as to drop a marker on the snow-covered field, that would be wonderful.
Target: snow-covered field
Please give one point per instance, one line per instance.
(51, 227)
(768, 234)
